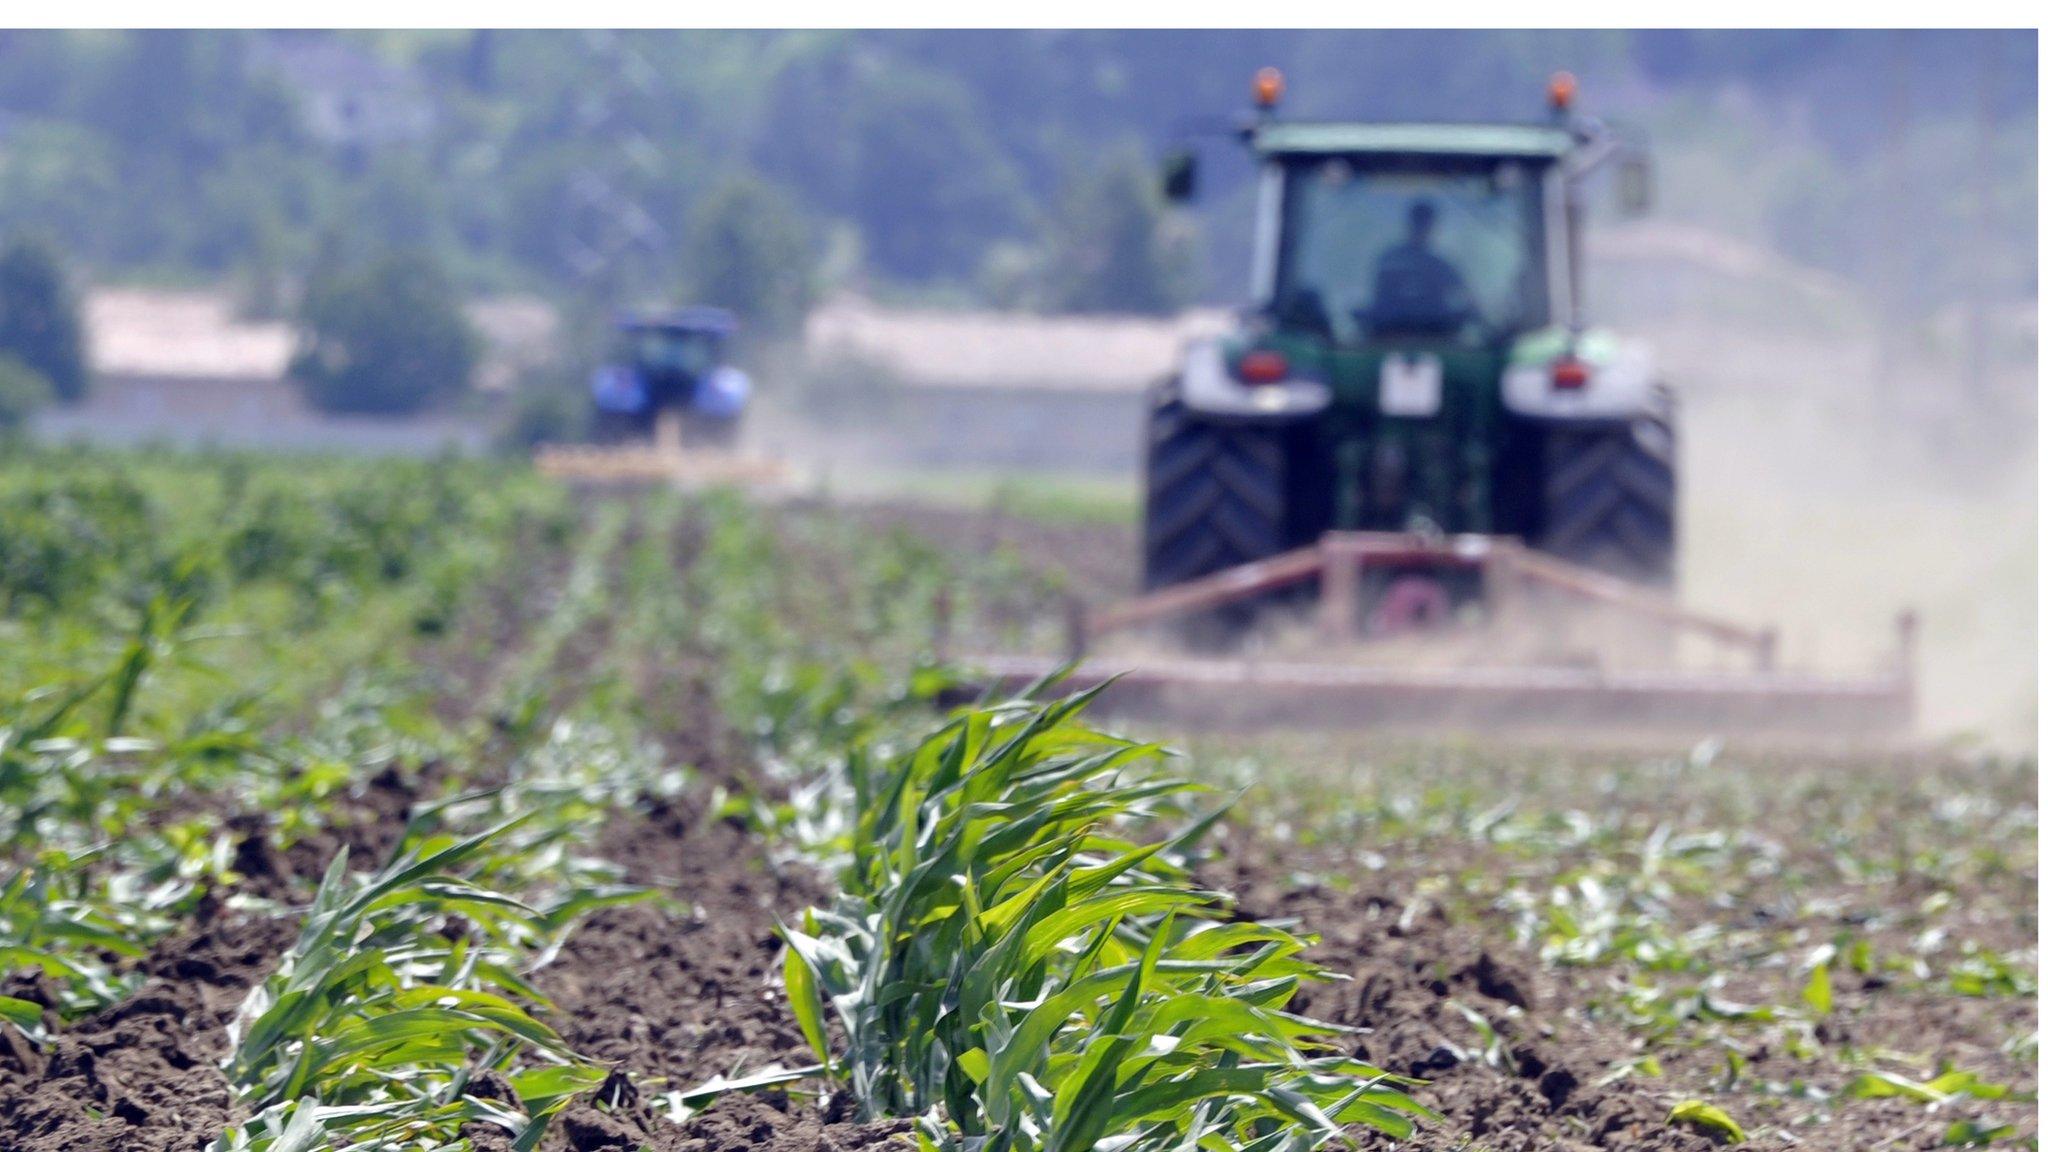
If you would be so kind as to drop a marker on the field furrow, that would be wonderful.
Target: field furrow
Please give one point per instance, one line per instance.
(591, 769)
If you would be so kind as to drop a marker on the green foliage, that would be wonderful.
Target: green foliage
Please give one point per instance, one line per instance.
(374, 979)
(1018, 946)
(63, 177)
(748, 248)
(405, 986)
(382, 1013)
(929, 147)
(1954, 1084)
(1649, 892)
(39, 321)
(898, 143)
(545, 414)
(1112, 245)
(23, 390)
(54, 920)
(1005, 951)
(1706, 1118)
(1982, 972)
(1972, 1134)
(71, 539)
(388, 337)
(100, 871)
(1819, 993)
(63, 538)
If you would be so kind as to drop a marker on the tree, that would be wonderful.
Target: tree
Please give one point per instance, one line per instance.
(389, 337)
(748, 248)
(22, 391)
(39, 323)
(931, 187)
(545, 412)
(895, 145)
(1113, 246)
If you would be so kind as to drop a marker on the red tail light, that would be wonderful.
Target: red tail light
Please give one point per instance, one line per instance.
(1262, 367)
(1569, 374)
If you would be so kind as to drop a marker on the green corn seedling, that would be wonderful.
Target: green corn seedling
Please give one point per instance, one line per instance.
(378, 1019)
(1010, 954)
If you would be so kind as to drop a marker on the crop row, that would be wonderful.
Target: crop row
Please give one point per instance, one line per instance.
(1708, 919)
(1100, 978)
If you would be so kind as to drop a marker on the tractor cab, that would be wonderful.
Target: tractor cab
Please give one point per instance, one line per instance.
(1392, 234)
(670, 362)
(1415, 355)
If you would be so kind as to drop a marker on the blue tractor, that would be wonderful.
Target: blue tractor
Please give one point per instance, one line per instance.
(670, 362)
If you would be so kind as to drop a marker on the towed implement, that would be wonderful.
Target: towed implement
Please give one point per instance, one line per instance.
(1358, 674)
(1416, 424)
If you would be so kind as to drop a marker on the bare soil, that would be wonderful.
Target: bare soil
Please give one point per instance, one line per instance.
(672, 994)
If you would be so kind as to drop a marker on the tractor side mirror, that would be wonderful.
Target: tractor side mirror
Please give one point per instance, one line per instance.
(1633, 186)
(1177, 177)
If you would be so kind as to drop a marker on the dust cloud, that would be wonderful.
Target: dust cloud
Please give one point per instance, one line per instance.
(1826, 495)
(1835, 471)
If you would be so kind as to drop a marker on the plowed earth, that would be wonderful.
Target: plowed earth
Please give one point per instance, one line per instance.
(672, 995)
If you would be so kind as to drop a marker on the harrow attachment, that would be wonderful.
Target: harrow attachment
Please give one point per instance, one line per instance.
(639, 465)
(1345, 684)
(667, 460)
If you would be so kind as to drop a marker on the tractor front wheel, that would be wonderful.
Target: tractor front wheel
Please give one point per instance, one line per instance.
(1610, 496)
(1216, 495)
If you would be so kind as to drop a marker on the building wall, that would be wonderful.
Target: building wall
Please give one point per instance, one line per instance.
(239, 412)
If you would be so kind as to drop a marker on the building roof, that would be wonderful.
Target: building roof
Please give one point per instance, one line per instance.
(1535, 140)
(943, 348)
(171, 335)
(180, 335)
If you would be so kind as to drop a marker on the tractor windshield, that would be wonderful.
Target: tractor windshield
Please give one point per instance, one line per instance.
(666, 350)
(1386, 247)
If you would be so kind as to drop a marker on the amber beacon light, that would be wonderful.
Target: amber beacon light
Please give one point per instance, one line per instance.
(1564, 88)
(1267, 87)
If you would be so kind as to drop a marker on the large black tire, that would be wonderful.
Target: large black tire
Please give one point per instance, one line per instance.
(1610, 498)
(1216, 495)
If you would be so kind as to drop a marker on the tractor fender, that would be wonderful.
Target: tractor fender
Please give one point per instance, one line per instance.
(1622, 383)
(1207, 388)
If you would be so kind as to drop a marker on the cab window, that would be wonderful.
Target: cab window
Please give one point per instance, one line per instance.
(1382, 247)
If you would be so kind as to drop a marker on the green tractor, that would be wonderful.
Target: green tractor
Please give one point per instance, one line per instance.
(1415, 357)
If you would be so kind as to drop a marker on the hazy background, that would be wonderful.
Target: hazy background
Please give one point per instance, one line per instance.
(920, 162)
(953, 260)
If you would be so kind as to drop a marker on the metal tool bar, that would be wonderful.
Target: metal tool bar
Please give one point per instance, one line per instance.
(1339, 558)
(1207, 592)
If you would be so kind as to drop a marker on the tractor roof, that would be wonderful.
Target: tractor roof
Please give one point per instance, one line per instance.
(689, 318)
(1530, 140)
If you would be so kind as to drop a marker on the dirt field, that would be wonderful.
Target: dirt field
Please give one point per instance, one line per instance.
(1562, 946)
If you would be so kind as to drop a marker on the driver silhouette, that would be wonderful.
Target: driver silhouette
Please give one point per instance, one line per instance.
(1414, 289)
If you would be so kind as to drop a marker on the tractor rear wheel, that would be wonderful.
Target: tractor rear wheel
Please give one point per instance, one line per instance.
(1216, 495)
(1610, 497)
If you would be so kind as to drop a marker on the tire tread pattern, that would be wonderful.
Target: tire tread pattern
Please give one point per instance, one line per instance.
(1215, 495)
(1610, 498)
